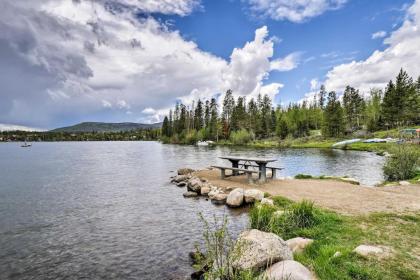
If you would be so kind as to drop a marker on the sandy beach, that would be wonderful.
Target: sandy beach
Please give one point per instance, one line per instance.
(339, 196)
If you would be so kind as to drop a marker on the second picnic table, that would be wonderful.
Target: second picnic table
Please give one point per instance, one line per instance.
(260, 162)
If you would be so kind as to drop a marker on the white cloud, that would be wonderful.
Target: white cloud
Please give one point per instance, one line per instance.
(149, 111)
(294, 11)
(287, 63)
(314, 84)
(178, 7)
(12, 127)
(379, 34)
(402, 51)
(81, 59)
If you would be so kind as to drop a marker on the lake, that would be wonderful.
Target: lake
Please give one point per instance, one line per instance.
(106, 210)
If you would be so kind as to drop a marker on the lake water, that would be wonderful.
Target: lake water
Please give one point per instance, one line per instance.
(106, 210)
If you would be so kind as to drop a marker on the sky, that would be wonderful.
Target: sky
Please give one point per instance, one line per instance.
(68, 61)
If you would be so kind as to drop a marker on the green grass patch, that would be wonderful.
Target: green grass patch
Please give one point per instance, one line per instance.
(333, 233)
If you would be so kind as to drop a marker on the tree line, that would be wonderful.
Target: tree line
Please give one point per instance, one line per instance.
(395, 106)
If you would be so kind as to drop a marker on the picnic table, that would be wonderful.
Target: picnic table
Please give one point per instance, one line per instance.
(261, 163)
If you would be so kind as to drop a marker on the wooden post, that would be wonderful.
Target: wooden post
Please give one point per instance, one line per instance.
(273, 173)
(223, 173)
(263, 172)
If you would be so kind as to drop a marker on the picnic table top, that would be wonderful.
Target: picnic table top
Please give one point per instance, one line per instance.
(257, 160)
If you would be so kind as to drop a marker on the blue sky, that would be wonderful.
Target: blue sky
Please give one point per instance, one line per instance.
(67, 61)
(340, 36)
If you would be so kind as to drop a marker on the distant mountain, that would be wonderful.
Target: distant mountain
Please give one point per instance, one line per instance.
(106, 127)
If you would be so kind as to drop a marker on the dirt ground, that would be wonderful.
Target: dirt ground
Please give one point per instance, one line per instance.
(335, 195)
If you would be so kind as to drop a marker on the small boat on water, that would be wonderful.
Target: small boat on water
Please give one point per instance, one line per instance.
(205, 143)
(26, 145)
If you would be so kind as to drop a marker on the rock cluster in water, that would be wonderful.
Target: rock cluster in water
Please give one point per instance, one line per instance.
(201, 187)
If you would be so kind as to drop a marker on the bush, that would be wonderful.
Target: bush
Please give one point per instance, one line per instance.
(241, 137)
(303, 176)
(403, 164)
(302, 215)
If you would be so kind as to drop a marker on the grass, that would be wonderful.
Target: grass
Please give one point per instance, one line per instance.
(333, 233)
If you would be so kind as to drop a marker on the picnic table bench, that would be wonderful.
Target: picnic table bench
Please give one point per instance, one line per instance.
(261, 163)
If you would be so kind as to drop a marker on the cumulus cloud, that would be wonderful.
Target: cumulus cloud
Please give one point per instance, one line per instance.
(379, 34)
(287, 63)
(402, 51)
(294, 11)
(82, 60)
(12, 127)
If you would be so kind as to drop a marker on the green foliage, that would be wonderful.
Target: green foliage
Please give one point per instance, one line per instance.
(336, 233)
(403, 164)
(333, 123)
(220, 252)
(241, 137)
(303, 176)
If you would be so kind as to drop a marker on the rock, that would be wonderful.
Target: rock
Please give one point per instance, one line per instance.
(404, 183)
(190, 194)
(180, 178)
(213, 192)
(181, 184)
(379, 251)
(298, 244)
(267, 201)
(194, 185)
(235, 198)
(185, 171)
(259, 249)
(253, 195)
(288, 270)
(219, 198)
(337, 254)
(205, 190)
(350, 180)
(278, 213)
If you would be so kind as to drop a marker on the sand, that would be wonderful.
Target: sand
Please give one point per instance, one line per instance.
(339, 196)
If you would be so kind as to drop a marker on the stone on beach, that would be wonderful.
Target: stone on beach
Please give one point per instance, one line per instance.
(190, 194)
(253, 195)
(235, 198)
(219, 198)
(185, 171)
(288, 270)
(259, 249)
(404, 183)
(267, 201)
(180, 178)
(298, 244)
(194, 184)
(205, 190)
(181, 184)
(378, 251)
(350, 180)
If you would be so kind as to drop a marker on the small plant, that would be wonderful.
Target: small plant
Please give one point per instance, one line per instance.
(302, 215)
(403, 164)
(221, 251)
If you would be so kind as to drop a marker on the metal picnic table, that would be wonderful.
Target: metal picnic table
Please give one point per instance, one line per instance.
(261, 162)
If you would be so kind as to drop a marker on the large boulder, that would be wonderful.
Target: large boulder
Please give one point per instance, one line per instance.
(380, 252)
(190, 194)
(258, 249)
(219, 198)
(235, 198)
(298, 244)
(194, 185)
(253, 195)
(288, 270)
(185, 171)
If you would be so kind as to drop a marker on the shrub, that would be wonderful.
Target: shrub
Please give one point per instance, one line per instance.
(303, 176)
(241, 137)
(403, 164)
(302, 215)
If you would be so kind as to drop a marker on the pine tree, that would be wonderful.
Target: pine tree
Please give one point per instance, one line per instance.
(322, 96)
(213, 119)
(228, 106)
(333, 125)
(165, 127)
(353, 105)
(207, 114)
(198, 116)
